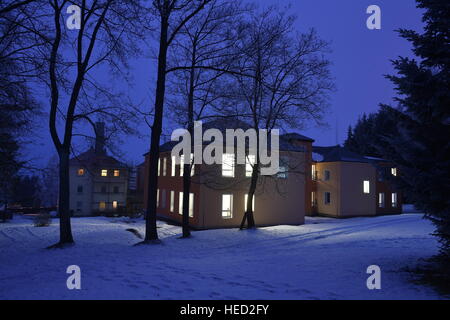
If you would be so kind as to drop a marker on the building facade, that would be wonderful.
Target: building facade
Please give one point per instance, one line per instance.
(346, 184)
(98, 182)
(311, 181)
(219, 192)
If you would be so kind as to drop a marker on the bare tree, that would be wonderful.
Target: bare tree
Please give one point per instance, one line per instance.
(289, 80)
(72, 57)
(173, 15)
(201, 58)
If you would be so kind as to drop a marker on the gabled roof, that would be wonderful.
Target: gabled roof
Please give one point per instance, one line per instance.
(92, 159)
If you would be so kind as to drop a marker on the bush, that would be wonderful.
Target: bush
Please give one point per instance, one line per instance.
(42, 220)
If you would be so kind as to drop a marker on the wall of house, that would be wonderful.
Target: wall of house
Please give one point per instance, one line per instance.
(387, 188)
(277, 201)
(333, 186)
(80, 202)
(354, 202)
(92, 194)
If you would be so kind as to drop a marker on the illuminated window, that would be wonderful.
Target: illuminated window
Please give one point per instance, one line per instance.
(81, 172)
(283, 168)
(366, 187)
(180, 203)
(227, 206)
(116, 173)
(115, 204)
(164, 167)
(104, 173)
(102, 206)
(249, 163)
(253, 202)
(157, 198)
(381, 200)
(181, 165)
(159, 167)
(173, 166)
(394, 200)
(192, 165)
(327, 198)
(172, 201)
(228, 165)
(191, 205)
(313, 172)
(394, 171)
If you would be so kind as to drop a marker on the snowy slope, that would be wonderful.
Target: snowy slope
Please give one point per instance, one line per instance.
(324, 259)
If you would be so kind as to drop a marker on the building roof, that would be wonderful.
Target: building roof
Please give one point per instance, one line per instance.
(337, 154)
(91, 158)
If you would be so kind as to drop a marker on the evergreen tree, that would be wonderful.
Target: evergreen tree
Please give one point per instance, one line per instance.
(420, 149)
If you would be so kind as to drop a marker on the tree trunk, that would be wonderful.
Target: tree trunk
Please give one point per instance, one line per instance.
(248, 215)
(65, 228)
(151, 233)
(186, 192)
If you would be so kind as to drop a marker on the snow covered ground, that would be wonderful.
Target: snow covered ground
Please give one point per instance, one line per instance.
(324, 259)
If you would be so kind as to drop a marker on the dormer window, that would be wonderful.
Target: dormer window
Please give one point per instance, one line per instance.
(116, 173)
(80, 172)
(104, 173)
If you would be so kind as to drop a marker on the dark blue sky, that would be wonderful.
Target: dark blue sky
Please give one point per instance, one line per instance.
(360, 58)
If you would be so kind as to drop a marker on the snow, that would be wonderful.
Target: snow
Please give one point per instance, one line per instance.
(323, 259)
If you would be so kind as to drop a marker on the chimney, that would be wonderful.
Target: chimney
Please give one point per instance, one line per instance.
(100, 138)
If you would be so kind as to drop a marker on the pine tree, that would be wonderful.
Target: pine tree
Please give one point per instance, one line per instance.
(421, 148)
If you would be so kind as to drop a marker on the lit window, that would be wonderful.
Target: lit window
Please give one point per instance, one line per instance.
(172, 201)
(191, 205)
(227, 206)
(327, 198)
(157, 198)
(313, 172)
(394, 200)
(253, 202)
(173, 166)
(81, 172)
(159, 167)
(181, 165)
(394, 171)
(180, 203)
(283, 168)
(381, 200)
(116, 173)
(249, 163)
(115, 204)
(104, 173)
(366, 187)
(228, 165)
(327, 175)
(192, 165)
(102, 206)
(164, 167)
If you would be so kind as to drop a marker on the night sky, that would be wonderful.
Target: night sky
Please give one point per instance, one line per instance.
(360, 57)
